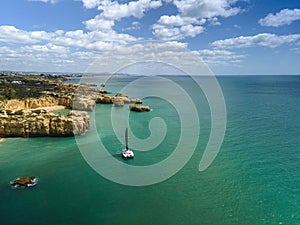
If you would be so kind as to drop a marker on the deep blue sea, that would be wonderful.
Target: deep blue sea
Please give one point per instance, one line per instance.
(255, 178)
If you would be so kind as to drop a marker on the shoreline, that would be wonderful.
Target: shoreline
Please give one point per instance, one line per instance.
(52, 108)
(2, 139)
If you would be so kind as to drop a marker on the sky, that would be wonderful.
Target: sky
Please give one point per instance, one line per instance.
(232, 37)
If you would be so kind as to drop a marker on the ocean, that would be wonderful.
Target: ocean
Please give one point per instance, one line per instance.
(254, 178)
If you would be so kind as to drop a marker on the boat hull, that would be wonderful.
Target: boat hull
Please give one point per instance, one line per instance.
(127, 154)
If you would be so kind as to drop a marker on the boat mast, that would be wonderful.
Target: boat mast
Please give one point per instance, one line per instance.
(126, 138)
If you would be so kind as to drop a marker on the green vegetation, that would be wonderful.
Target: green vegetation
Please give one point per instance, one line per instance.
(25, 86)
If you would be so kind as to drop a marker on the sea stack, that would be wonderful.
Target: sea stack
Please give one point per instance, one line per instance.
(139, 108)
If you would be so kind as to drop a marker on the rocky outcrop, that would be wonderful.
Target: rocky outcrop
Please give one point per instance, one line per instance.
(40, 123)
(136, 101)
(139, 108)
(118, 102)
(127, 100)
(105, 99)
(85, 104)
(78, 103)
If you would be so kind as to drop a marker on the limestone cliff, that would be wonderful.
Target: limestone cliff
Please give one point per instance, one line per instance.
(40, 123)
(78, 103)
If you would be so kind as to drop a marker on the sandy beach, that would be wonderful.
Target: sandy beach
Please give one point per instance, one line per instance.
(52, 108)
(1, 139)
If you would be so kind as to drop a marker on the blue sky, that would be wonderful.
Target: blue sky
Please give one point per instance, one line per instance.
(231, 36)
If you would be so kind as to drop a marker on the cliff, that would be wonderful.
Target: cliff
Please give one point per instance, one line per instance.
(78, 103)
(40, 123)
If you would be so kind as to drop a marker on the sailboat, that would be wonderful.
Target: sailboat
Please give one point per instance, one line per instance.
(127, 153)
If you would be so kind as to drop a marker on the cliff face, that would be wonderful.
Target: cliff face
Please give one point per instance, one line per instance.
(40, 123)
(77, 103)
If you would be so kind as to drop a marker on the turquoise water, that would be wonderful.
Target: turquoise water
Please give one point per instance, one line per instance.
(254, 179)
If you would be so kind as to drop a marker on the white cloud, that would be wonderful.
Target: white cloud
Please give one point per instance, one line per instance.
(284, 17)
(116, 11)
(176, 33)
(92, 3)
(264, 39)
(177, 27)
(44, 58)
(99, 23)
(94, 40)
(193, 14)
(178, 20)
(51, 57)
(207, 8)
(220, 57)
(10, 34)
(214, 21)
(173, 53)
(48, 48)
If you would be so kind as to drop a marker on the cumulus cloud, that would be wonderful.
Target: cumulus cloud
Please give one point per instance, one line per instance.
(52, 57)
(178, 20)
(207, 8)
(12, 35)
(114, 11)
(177, 27)
(176, 33)
(284, 17)
(99, 23)
(48, 48)
(94, 40)
(173, 53)
(44, 58)
(92, 3)
(264, 39)
(192, 15)
(220, 57)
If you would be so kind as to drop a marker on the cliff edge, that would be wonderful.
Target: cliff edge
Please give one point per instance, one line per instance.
(40, 123)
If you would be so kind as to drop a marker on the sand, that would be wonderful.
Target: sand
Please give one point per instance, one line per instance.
(52, 108)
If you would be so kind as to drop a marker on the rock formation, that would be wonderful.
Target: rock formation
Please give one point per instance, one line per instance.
(118, 102)
(22, 117)
(136, 101)
(139, 108)
(105, 99)
(40, 123)
(78, 103)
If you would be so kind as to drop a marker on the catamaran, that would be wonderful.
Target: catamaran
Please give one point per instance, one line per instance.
(127, 153)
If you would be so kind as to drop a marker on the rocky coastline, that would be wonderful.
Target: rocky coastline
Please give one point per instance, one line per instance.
(41, 123)
(32, 116)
